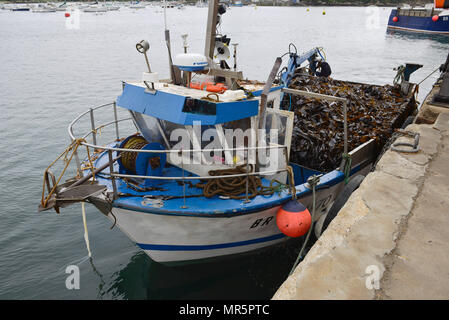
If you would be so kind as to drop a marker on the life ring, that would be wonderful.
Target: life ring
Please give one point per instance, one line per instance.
(209, 86)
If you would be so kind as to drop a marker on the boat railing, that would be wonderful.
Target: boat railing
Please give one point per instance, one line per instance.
(94, 129)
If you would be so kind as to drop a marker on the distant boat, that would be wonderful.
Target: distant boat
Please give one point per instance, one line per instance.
(236, 4)
(112, 8)
(201, 4)
(41, 8)
(60, 7)
(429, 19)
(137, 5)
(20, 8)
(95, 9)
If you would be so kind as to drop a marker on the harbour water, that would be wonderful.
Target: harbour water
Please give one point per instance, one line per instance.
(51, 73)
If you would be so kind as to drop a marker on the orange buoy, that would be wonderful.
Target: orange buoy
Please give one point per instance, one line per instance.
(209, 86)
(67, 14)
(293, 219)
(395, 19)
(435, 18)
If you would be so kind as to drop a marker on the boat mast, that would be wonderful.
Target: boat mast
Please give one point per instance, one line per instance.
(211, 28)
(167, 42)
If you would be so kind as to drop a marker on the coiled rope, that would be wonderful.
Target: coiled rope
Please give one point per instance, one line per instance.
(128, 157)
(234, 187)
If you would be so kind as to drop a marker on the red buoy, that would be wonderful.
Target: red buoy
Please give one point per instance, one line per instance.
(293, 219)
(395, 19)
(67, 14)
(435, 18)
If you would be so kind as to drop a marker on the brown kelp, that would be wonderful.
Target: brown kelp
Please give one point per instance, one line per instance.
(373, 113)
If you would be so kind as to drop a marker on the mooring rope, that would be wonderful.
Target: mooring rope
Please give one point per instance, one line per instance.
(233, 187)
(313, 181)
(129, 157)
(73, 146)
(86, 234)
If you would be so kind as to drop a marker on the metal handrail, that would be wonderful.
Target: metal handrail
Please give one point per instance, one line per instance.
(121, 175)
(114, 175)
(95, 146)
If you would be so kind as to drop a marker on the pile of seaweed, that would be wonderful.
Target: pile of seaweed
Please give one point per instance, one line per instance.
(373, 113)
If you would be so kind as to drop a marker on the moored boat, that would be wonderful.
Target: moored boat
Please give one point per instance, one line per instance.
(95, 9)
(20, 8)
(209, 172)
(429, 19)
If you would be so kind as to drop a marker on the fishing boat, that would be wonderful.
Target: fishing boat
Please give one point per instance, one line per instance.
(201, 4)
(41, 8)
(95, 9)
(433, 18)
(20, 8)
(59, 7)
(236, 4)
(137, 5)
(208, 174)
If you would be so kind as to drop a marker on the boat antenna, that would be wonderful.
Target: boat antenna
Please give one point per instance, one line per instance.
(167, 41)
(165, 15)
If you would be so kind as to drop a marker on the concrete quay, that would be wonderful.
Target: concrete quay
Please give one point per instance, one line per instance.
(391, 239)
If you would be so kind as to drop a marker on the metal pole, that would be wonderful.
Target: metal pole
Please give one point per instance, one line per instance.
(148, 63)
(116, 121)
(247, 176)
(78, 163)
(184, 42)
(235, 56)
(183, 184)
(111, 171)
(345, 110)
(92, 125)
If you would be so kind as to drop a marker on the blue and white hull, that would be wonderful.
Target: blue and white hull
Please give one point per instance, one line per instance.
(171, 239)
(170, 234)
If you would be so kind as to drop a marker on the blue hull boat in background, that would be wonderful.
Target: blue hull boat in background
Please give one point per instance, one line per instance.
(425, 20)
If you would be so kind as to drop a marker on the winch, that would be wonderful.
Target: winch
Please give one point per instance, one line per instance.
(141, 163)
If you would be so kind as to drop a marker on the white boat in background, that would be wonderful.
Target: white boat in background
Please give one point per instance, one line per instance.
(95, 8)
(112, 8)
(42, 8)
(20, 8)
(201, 4)
(137, 5)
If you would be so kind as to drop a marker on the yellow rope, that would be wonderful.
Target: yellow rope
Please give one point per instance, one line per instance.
(72, 147)
(91, 165)
(292, 182)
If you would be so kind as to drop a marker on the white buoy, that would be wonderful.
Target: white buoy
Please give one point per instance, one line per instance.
(86, 234)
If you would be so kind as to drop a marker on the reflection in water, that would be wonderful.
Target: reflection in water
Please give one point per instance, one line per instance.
(411, 35)
(101, 282)
(255, 275)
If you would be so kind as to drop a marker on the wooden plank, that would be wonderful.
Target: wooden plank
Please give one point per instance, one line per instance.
(266, 90)
(211, 28)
